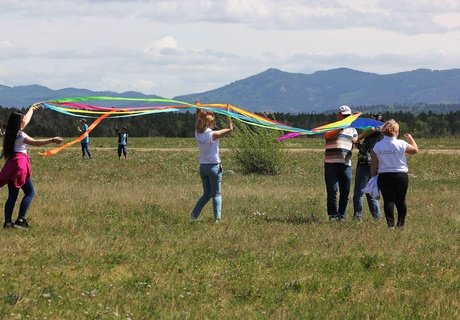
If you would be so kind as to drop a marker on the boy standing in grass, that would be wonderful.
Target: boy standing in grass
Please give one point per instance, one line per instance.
(122, 142)
(85, 142)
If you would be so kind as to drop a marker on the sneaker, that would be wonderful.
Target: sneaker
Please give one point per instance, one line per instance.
(8, 225)
(333, 219)
(21, 224)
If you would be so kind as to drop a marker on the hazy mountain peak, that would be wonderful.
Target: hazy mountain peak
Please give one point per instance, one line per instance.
(277, 90)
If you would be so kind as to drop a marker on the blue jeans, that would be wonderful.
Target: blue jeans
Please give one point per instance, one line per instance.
(211, 177)
(13, 192)
(338, 178)
(85, 147)
(362, 176)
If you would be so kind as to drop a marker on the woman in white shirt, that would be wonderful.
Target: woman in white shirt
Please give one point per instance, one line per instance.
(388, 160)
(210, 164)
(16, 172)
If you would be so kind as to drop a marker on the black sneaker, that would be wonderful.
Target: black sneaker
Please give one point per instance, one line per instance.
(21, 224)
(8, 225)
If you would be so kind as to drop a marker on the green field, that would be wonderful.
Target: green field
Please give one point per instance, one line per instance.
(111, 239)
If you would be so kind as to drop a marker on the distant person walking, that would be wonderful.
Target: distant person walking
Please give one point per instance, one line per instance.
(85, 142)
(337, 166)
(122, 142)
(390, 163)
(363, 171)
(16, 171)
(210, 163)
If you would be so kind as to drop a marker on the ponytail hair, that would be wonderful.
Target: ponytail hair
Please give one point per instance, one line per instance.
(11, 133)
(203, 120)
(390, 128)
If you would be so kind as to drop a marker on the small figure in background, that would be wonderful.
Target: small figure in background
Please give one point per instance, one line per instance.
(122, 142)
(85, 142)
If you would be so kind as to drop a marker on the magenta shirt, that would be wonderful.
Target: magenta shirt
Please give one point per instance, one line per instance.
(16, 169)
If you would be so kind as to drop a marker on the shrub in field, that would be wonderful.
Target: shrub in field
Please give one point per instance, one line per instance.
(257, 150)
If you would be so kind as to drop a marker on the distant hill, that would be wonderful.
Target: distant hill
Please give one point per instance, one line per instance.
(23, 96)
(278, 91)
(275, 90)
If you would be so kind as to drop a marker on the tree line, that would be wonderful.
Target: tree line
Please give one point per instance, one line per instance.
(181, 124)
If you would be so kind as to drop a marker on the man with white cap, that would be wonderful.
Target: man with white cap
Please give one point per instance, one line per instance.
(337, 166)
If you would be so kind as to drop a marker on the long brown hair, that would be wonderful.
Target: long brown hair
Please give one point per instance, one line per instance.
(203, 120)
(11, 133)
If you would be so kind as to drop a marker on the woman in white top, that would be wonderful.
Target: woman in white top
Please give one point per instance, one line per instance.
(210, 164)
(16, 171)
(388, 160)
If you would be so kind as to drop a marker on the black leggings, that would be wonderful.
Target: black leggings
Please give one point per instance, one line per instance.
(394, 189)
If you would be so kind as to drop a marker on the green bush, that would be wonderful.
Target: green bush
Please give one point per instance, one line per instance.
(257, 150)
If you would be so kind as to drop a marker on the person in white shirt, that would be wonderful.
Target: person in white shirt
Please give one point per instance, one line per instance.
(210, 163)
(388, 160)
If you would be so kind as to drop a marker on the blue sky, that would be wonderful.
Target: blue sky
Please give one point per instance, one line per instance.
(172, 47)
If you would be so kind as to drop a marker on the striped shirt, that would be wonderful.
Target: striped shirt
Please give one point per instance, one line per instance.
(339, 149)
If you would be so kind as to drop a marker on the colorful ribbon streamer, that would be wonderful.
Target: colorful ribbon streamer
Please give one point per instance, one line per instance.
(51, 152)
(79, 107)
(350, 121)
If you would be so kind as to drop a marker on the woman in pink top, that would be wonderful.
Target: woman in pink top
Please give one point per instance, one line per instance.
(388, 160)
(17, 172)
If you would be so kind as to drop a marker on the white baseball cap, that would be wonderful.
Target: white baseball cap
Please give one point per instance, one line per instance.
(344, 110)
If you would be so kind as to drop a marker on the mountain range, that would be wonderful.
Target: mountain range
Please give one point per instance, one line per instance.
(278, 91)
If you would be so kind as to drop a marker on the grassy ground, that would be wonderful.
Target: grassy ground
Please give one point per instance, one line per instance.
(111, 239)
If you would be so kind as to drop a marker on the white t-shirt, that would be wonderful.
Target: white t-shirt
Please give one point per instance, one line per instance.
(391, 153)
(19, 145)
(208, 148)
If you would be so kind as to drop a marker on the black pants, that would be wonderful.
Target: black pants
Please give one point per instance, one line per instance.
(393, 187)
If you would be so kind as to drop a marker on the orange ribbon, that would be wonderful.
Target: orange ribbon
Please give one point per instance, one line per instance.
(51, 152)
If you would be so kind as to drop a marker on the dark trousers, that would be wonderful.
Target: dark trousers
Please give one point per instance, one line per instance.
(122, 148)
(393, 187)
(85, 148)
(338, 178)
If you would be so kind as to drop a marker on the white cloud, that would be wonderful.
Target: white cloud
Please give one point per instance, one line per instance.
(448, 20)
(5, 45)
(171, 47)
(165, 45)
